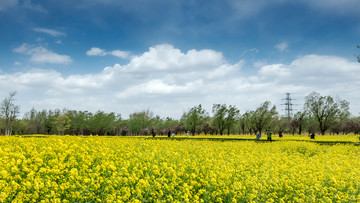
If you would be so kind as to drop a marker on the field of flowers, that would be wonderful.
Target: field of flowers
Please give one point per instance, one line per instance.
(116, 169)
(288, 137)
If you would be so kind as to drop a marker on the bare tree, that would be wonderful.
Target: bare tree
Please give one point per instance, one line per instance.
(9, 111)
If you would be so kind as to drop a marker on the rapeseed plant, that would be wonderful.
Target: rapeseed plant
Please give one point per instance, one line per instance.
(112, 169)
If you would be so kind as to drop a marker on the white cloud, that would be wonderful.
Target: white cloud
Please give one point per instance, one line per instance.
(51, 32)
(121, 54)
(274, 70)
(282, 46)
(95, 51)
(42, 55)
(169, 81)
(165, 57)
(158, 86)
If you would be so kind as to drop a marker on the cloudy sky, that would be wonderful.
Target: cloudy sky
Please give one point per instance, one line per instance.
(168, 56)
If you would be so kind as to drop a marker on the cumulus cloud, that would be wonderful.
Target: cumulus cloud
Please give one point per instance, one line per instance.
(169, 81)
(42, 55)
(51, 32)
(165, 57)
(95, 51)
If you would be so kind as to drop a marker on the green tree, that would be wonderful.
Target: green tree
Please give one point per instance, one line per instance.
(49, 126)
(20, 127)
(244, 123)
(103, 123)
(194, 119)
(262, 116)
(9, 111)
(140, 121)
(62, 123)
(224, 117)
(325, 110)
(79, 121)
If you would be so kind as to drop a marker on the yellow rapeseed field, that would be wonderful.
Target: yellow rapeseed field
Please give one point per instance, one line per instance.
(115, 169)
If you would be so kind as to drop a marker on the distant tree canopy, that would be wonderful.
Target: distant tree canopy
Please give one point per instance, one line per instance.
(325, 110)
(194, 119)
(261, 118)
(321, 114)
(224, 117)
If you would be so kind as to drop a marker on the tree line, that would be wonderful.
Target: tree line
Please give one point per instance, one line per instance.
(321, 114)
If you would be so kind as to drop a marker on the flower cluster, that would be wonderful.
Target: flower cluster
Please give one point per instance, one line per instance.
(114, 169)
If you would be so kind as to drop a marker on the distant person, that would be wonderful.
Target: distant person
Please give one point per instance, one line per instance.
(258, 135)
(187, 133)
(269, 133)
(312, 136)
(280, 134)
(169, 133)
(153, 132)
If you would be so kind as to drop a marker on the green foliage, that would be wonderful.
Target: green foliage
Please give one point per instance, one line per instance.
(224, 117)
(139, 121)
(62, 123)
(325, 110)
(261, 118)
(194, 118)
(320, 114)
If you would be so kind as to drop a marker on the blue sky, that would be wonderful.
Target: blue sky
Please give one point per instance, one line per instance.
(168, 56)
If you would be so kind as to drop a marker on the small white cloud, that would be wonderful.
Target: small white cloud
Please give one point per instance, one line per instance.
(17, 63)
(51, 32)
(42, 55)
(95, 51)
(282, 46)
(121, 54)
